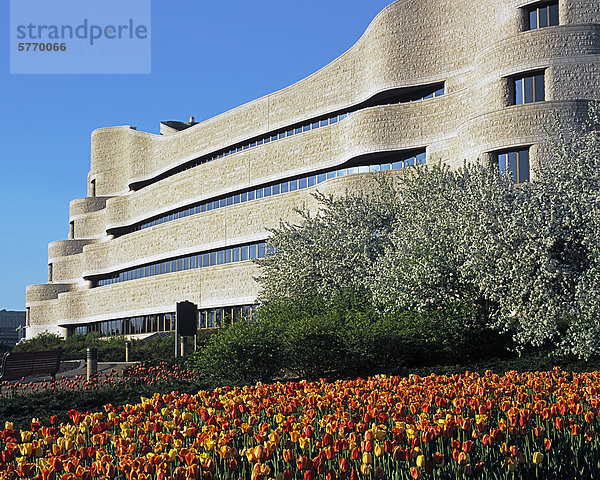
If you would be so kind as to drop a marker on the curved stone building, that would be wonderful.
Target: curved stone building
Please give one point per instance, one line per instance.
(178, 216)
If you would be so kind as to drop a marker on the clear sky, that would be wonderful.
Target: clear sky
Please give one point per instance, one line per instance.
(207, 57)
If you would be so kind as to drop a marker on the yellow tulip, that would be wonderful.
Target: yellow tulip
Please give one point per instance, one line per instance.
(26, 449)
(421, 461)
(538, 458)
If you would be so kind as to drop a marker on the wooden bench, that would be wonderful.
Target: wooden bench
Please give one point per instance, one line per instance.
(16, 365)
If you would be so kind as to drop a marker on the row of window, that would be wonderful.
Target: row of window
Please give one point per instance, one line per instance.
(278, 188)
(544, 15)
(165, 322)
(403, 95)
(200, 260)
(420, 94)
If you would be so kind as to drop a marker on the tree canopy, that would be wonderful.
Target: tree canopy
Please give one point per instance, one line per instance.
(526, 255)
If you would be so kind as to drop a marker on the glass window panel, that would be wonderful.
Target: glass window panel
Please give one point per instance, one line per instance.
(236, 198)
(439, 92)
(223, 202)
(321, 177)
(519, 91)
(252, 251)
(213, 258)
(259, 193)
(306, 128)
(539, 87)
(260, 142)
(293, 185)
(244, 253)
(193, 261)
(325, 122)
(246, 147)
(352, 170)
(298, 130)
(168, 267)
(179, 264)
(386, 166)
(553, 14)
(513, 164)
(206, 260)
(210, 319)
(363, 169)
(421, 158)
(373, 168)
(267, 140)
(409, 162)
(267, 191)
(428, 96)
(253, 144)
(314, 125)
(342, 116)
(331, 175)
(285, 186)
(543, 17)
(312, 181)
(230, 201)
(273, 138)
(302, 183)
(275, 189)
(235, 254)
(533, 24)
(528, 88)
(205, 207)
(261, 250)
(220, 257)
(523, 166)
(282, 135)
(251, 195)
(228, 255)
(203, 319)
(244, 197)
(289, 133)
(333, 120)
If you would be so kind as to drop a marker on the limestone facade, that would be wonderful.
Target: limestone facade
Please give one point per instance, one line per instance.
(469, 52)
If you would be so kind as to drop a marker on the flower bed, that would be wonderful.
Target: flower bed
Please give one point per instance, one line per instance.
(530, 425)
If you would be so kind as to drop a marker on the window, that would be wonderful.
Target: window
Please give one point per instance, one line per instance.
(544, 15)
(529, 88)
(515, 162)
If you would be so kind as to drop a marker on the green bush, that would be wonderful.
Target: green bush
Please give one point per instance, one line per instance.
(246, 352)
(110, 349)
(307, 338)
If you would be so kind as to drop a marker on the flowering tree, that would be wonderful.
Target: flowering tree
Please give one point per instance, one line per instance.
(331, 249)
(527, 256)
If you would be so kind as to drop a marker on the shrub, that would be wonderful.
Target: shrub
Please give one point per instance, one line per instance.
(244, 353)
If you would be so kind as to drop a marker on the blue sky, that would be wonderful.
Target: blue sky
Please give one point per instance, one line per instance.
(207, 57)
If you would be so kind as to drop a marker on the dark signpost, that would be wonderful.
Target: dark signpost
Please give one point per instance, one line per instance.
(186, 314)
